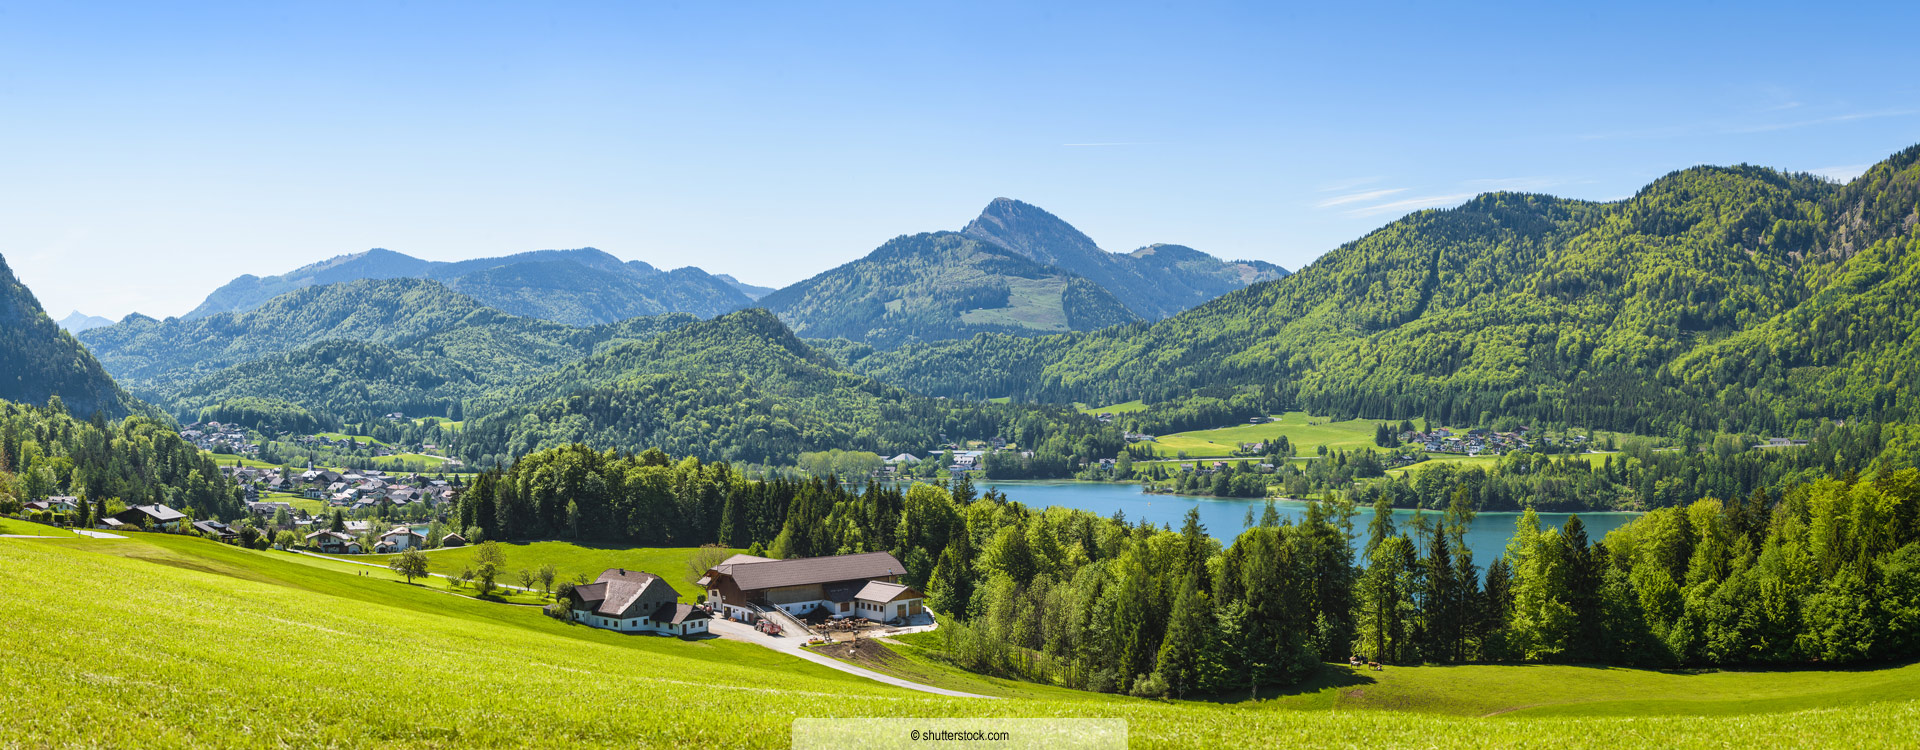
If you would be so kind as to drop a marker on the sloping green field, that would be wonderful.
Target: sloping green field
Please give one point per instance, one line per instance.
(1296, 425)
(570, 559)
(164, 641)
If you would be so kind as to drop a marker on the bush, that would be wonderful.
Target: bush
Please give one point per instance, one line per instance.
(559, 611)
(1150, 686)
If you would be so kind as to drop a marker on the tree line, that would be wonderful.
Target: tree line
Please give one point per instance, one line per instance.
(1812, 568)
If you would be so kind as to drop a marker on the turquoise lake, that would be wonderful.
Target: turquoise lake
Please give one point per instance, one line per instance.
(1225, 517)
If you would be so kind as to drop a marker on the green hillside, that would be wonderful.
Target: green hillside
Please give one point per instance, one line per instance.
(349, 348)
(39, 360)
(212, 622)
(741, 387)
(939, 286)
(1716, 298)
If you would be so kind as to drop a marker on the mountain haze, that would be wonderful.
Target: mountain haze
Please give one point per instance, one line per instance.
(76, 322)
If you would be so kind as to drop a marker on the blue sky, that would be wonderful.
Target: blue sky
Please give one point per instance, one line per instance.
(153, 153)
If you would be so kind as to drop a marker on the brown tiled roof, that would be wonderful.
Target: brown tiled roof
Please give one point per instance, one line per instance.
(750, 576)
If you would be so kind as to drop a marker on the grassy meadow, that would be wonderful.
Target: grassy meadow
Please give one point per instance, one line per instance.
(170, 641)
(1121, 408)
(29, 528)
(1306, 433)
(570, 559)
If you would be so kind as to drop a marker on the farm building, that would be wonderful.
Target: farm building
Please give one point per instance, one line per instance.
(863, 585)
(334, 542)
(159, 516)
(401, 539)
(631, 601)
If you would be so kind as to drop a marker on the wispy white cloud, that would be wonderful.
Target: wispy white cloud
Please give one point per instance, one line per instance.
(1843, 173)
(1358, 197)
(1410, 204)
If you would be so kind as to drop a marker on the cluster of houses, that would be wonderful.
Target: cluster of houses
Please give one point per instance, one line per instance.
(220, 438)
(1474, 442)
(353, 490)
(399, 539)
(325, 441)
(54, 504)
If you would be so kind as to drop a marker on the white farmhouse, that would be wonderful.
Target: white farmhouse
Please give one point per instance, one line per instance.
(632, 602)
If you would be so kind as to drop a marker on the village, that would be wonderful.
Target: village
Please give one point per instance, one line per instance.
(237, 440)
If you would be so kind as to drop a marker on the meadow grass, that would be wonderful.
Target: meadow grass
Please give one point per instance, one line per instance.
(29, 528)
(1121, 408)
(379, 571)
(227, 459)
(1297, 426)
(573, 558)
(173, 641)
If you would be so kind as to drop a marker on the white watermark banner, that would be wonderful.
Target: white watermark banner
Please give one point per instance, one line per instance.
(997, 734)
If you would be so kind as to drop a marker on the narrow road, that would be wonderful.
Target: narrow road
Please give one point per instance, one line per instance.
(735, 631)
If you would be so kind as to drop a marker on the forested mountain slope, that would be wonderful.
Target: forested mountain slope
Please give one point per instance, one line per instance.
(741, 387)
(1154, 282)
(1715, 298)
(943, 285)
(578, 287)
(38, 360)
(343, 348)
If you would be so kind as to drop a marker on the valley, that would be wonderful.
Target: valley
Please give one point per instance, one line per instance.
(1530, 470)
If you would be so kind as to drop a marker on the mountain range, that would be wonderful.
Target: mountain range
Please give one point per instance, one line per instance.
(577, 287)
(1154, 281)
(370, 345)
(1015, 269)
(1716, 298)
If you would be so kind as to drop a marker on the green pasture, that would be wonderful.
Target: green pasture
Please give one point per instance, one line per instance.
(570, 559)
(1299, 429)
(29, 528)
(184, 642)
(1121, 408)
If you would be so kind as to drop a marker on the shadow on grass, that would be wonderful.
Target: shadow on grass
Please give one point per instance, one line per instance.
(1331, 676)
